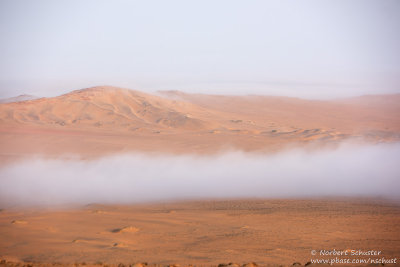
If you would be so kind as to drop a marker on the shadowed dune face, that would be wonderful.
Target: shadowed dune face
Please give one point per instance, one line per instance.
(105, 120)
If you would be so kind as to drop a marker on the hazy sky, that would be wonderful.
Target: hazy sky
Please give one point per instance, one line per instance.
(299, 48)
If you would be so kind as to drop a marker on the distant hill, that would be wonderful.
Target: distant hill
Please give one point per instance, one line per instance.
(18, 98)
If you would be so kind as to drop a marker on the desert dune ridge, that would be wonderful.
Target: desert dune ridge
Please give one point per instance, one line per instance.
(107, 120)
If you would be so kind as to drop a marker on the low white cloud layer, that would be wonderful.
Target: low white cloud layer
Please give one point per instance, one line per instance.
(349, 170)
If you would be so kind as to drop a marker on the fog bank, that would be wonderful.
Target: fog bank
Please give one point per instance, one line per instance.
(349, 170)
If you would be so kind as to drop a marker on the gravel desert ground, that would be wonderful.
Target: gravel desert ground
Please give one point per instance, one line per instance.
(201, 233)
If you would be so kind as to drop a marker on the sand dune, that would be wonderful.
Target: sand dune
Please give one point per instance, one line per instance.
(103, 107)
(103, 120)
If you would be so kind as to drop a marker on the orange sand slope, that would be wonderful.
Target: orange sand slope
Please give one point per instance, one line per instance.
(106, 119)
(203, 233)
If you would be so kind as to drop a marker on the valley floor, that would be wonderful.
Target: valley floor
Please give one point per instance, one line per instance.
(201, 233)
